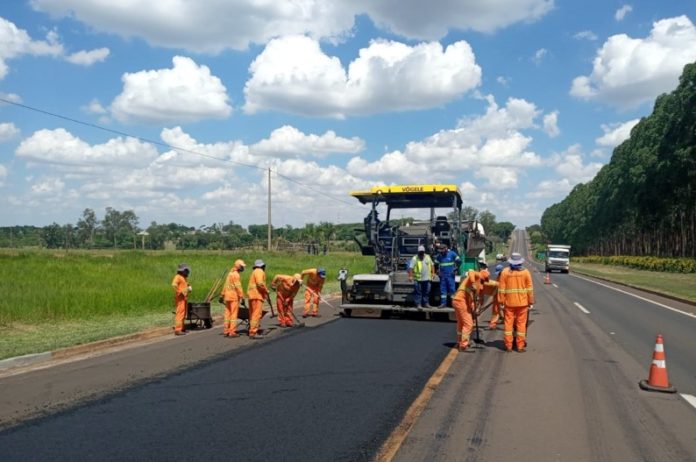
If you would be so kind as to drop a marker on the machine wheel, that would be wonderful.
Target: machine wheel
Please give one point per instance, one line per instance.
(208, 323)
(347, 312)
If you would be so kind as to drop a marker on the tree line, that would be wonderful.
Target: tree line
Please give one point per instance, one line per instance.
(121, 230)
(643, 202)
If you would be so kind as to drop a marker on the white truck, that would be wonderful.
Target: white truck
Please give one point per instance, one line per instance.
(557, 258)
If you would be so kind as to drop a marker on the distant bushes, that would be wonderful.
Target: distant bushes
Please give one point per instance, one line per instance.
(671, 265)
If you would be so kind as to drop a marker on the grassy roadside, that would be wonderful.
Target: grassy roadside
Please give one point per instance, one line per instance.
(673, 284)
(51, 299)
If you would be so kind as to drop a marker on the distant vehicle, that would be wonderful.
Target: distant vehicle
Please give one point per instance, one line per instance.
(500, 257)
(393, 243)
(557, 258)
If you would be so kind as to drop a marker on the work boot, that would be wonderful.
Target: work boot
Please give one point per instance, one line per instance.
(180, 333)
(304, 315)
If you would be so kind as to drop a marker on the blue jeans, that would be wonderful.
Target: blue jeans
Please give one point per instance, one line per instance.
(421, 297)
(447, 287)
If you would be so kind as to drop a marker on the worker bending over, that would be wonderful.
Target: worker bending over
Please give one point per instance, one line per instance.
(315, 282)
(257, 292)
(464, 303)
(516, 293)
(181, 290)
(233, 295)
(286, 288)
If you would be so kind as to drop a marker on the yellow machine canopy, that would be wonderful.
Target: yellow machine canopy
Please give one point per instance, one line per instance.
(412, 196)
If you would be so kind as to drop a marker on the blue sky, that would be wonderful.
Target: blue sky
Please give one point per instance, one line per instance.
(514, 101)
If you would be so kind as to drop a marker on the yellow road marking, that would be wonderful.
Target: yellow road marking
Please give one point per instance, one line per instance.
(391, 446)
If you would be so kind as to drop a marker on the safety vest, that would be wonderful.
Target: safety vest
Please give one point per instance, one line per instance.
(233, 290)
(285, 285)
(515, 288)
(417, 267)
(257, 285)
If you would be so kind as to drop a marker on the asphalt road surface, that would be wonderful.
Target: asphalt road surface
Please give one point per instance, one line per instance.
(339, 390)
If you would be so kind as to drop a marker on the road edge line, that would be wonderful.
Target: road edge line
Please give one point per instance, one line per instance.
(662, 305)
(393, 443)
(689, 399)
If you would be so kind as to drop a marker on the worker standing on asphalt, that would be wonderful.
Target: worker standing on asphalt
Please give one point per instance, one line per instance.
(315, 282)
(495, 309)
(516, 293)
(286, 288)
(181, 290)
(233, 294)
(421, 271)
(447, 262)
(258, 292)
(464, 303)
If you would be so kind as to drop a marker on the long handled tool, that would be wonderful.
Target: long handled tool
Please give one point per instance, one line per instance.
(215, 287)
(321, 299)
(273, 313)
(478, 340)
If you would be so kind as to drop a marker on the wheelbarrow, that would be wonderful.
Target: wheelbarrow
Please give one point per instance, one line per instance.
(198, 314)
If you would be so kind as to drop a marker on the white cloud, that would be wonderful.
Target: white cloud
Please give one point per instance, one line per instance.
(628, 72)
(490, 146)
(48, 187)
(12, 97)
(294, 75)
(539, 55)
(289, 141)
(216, 26)
(63, 148)
(615, 134)
(3, 175)
(16, 42)
(586, 35)
(186, 93)
(551, 124)
(571, 166)
(432, 20)
(502, 80)
(622, 12)
(87, 58)
(8, 130)
(551, 188)
(95, 107)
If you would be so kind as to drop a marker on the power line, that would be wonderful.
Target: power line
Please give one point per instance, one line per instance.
(168, 146)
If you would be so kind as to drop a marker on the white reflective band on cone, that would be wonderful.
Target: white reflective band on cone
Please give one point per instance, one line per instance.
(659, 347)
(659, 363)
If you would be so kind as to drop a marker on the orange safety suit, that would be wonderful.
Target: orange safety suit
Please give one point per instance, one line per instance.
(515, 293)
(286, 288)
(312, 292)
(257, 292)
(491, 288)
(181, 292)
(233, 294)
(464, 303)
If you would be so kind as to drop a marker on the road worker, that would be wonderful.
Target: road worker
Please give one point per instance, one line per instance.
(233, 295)
(315, 282)
(464, 304)
(447, 262)
(496, 308)
(181, 291)
(516, 293)
(257, 292)
(421, 271)
(286, 288)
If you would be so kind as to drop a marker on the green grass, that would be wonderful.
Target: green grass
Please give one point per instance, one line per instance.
(673, 284)
(52, 299)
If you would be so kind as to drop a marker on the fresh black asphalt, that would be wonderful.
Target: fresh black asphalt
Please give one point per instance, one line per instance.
(329, 393)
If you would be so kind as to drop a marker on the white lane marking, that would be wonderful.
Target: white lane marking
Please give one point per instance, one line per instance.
(686, 313)
(582, 308)
(555, 286)
(689, 399)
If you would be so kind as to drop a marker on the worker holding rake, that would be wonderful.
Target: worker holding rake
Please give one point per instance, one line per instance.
(232, 295)
(181, 290)
(315, 282)
(258, 292)
(464, 303)
(286, 288)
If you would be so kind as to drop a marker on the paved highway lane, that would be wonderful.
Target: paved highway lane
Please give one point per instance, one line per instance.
(328, 393)
(634, 323)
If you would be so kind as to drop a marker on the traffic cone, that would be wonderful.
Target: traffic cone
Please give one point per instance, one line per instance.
(547, 279)
(657, 380)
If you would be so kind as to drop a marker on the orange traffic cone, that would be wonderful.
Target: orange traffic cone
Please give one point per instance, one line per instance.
(547, 279)
(657, 380)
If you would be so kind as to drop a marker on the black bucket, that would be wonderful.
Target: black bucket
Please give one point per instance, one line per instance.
(199, 313)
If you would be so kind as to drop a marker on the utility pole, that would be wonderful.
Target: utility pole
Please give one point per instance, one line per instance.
(269, 209)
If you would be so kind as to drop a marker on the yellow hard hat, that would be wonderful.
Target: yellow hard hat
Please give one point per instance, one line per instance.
(297, 277)
(239, 264)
